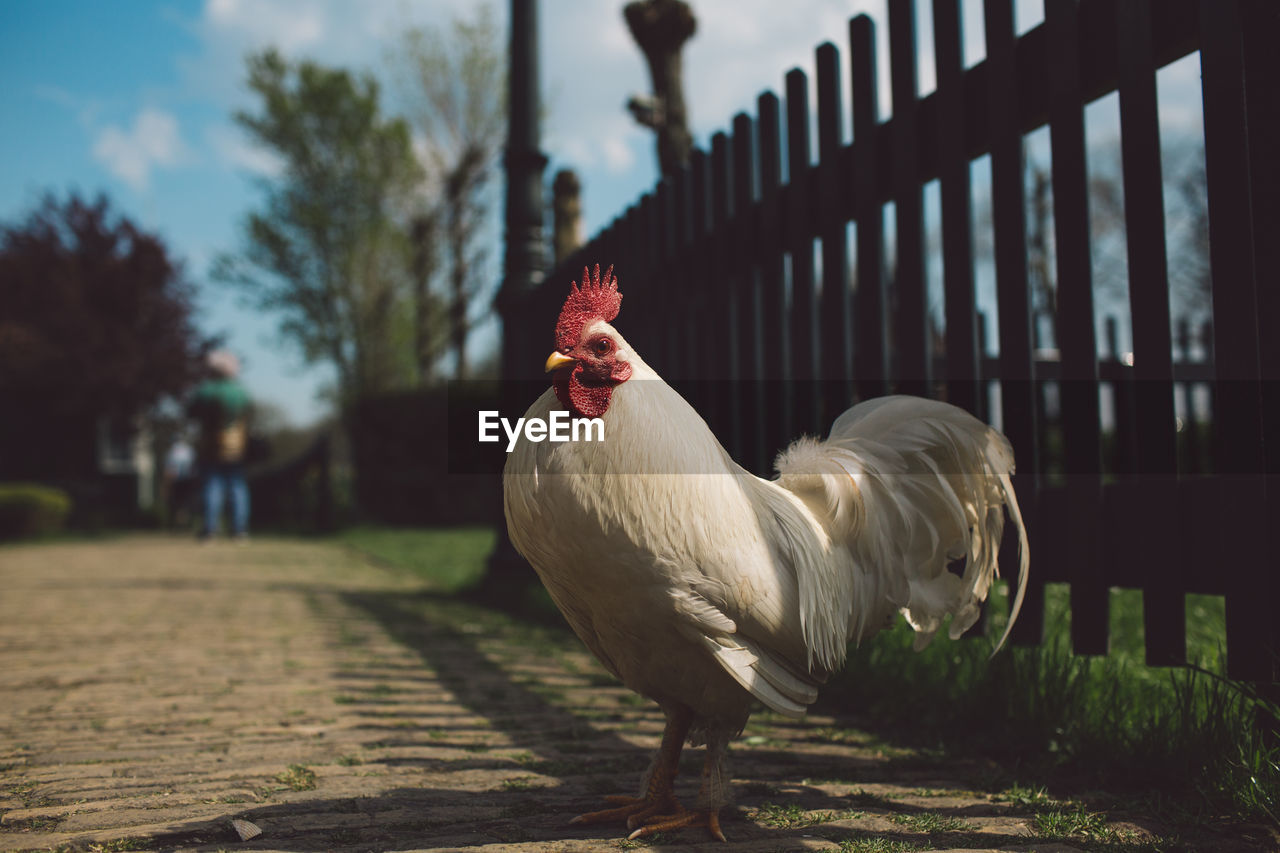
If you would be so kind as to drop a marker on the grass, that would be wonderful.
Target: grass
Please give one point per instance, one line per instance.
(1069, 823)
(875, 844)
(1108, 721)
(119, 844)
(297, 777)
(931, 822)
(782, 816)
(792, 816)
(449, 559)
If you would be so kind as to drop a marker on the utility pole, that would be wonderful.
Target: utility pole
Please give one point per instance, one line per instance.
(525, 259)
(525, 263)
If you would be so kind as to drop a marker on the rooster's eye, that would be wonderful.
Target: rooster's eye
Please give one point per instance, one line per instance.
(602, 346)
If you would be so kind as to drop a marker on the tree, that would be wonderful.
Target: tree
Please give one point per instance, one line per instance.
(329, 251)
(1186, 210)
(1186, 218)
(660, 29)
(96, 321)
(454, 84)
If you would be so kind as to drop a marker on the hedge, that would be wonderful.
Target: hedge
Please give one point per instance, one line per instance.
(29, 510)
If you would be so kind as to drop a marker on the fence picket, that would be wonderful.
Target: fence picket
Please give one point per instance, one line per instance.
(1017, 394)
(836, 353)
(911, 366)
(647, 270)
(1163, 599)
(1237, 411)
(683, 365)
(750, 358)
(727, 296)
(960, 299)
(1262, 65)
(706, 333)
(803, 318)
(777, 392)
(1077, 343)
(871, 300)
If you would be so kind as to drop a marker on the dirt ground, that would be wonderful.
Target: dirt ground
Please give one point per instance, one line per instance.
(153, 690)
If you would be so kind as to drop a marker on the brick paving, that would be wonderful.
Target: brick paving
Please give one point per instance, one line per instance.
(153, 691)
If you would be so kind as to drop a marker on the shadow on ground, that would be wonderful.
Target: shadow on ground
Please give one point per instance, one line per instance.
(560, 753)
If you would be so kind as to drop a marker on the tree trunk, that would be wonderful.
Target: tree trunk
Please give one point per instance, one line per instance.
(660, 28)
(424, 265)
(458, 275)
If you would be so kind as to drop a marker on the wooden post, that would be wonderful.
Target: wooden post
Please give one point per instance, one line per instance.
(566, 214)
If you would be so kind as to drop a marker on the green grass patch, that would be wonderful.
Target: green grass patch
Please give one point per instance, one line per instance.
(297, 777)
(1070, 823)
(876, 844)
(449, 559)
(1024, 797)
(518, 783)
(791, 816)
(118, 845)
(1109, 721)
(931, 822)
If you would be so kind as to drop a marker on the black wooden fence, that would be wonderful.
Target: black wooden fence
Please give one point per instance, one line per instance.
(746, 253)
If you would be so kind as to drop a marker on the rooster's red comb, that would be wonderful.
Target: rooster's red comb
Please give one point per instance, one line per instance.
(597, 298)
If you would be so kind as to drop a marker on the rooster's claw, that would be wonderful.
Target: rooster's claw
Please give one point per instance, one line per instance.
(710, 818)
(648, 816)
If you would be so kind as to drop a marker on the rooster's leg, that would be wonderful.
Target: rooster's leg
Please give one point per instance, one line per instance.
(712, 796)
(657, 797)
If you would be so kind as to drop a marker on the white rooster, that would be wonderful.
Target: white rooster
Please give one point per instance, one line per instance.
(702, 586)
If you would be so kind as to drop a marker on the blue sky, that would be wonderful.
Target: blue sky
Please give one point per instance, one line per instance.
(134, 99)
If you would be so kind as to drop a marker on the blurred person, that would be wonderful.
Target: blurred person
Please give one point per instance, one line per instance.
(179, 470)
(220, 406)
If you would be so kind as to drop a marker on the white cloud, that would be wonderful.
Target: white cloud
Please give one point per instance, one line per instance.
(744, 47)
(617, 153)
(86, 110)
(290, 25)
(236, 153)
(131, 154)
(609, 142)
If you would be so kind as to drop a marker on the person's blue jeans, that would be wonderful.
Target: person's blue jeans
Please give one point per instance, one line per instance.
(221, 480)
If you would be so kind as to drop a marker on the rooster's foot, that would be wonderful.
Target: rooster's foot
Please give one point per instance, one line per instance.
(630, 809)
(646, 816)
(681, 818)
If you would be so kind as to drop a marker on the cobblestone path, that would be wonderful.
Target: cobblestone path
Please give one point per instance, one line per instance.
(153, 691)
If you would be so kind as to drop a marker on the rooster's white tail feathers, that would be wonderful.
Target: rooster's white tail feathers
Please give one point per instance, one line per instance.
(910, 486)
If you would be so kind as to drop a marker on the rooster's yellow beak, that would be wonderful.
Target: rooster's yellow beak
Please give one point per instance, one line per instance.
(556, 360)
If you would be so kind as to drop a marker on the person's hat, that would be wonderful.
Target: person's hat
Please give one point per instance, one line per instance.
(224, 363)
